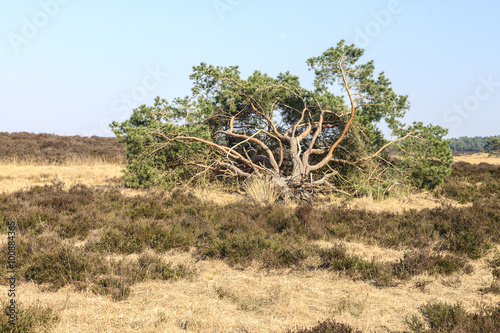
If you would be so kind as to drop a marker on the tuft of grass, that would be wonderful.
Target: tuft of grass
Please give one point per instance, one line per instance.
(250, 302)
(262, 190)
(118, 287)
(152, 266)
(495, 284)
(354, 308)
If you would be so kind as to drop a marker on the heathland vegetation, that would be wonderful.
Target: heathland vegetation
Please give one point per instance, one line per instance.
(107, 243)
(46, 149)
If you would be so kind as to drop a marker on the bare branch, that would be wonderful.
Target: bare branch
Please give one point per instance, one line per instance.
(384, 147)
(346, 128)
(257, 141)
(236, 170)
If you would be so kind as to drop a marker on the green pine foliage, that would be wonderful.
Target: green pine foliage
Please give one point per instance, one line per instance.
(492, 146)
(152, 125)
(427, 156)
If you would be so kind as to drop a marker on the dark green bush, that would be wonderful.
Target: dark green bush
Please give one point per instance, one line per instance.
(63, 266)
(327, 326)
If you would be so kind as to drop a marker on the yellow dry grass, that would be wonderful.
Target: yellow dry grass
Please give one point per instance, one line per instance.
(478, 158)
(221, 299)
(14, 176)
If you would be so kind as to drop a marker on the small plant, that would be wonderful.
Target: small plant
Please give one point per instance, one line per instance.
(116, 286)
(495, 284)
(327, 326)
(355, 308)
(337, 259)
(154, 267)
(63, 266)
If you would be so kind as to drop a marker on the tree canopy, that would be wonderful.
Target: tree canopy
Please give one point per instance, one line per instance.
(327, 137)
(493, 145)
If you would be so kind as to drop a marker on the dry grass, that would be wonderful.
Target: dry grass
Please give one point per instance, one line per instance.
(217, 195)
(417, 201)
(261, 191)
(67, 161)
(221, 299)
(18, 176)
(478, 158)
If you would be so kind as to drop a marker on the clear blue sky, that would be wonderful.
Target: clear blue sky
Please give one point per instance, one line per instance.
(70, 67)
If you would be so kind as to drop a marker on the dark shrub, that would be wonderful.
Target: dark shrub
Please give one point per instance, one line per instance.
(327, 326)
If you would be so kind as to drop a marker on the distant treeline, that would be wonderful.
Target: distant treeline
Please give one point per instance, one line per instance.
(56, 149)
(469, 144)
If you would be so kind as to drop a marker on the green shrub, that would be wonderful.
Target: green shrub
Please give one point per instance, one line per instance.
(337, 259)
(442, 317)
(153, 267)
(63, 266)
(420, 261)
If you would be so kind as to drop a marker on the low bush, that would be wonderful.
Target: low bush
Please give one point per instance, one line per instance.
(471, 182)
(327, 326)
(337, 259)
(29, 319)
(46, 260)
(420, 261)
(442, 317)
